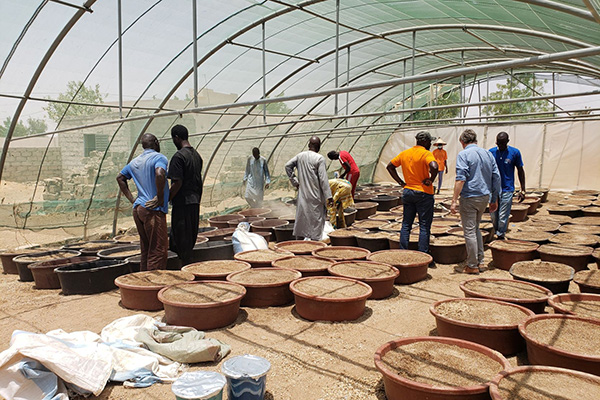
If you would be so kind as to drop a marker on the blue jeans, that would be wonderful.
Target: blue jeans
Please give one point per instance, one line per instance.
(471, 210)
(501, 215)
(440, 179)
(421, 204)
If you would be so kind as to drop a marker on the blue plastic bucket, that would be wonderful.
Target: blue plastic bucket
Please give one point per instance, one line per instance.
(199, 385)
(246, 377)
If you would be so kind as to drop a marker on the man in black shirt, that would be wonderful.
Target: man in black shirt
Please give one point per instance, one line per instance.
(185, 172)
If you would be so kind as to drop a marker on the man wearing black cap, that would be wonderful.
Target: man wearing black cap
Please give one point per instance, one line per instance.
(419, 169)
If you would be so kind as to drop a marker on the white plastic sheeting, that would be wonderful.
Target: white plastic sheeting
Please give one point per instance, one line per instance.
(559, 156)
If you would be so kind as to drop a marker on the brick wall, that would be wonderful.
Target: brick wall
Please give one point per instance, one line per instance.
(23, 164)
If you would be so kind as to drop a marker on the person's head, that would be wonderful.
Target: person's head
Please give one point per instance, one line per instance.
(149, 141)
(467, 137)
(314, 144)
(439, 143)
(502, 141)
(256, 152)
(179, 134)
(424, 139)
(333, 155)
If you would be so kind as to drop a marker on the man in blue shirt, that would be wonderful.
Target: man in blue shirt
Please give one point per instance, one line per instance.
(478, 184)
(507, 158)
(151, 205)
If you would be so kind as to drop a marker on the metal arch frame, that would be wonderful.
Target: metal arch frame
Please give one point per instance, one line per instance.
(566, 69)
(577, 12)
(434, 27)
(21, 36)
(32, 82)
(149, 117)
(206, 56)
(400, 60)
(416, 28)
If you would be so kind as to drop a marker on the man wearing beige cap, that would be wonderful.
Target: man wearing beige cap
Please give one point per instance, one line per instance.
(441, 157)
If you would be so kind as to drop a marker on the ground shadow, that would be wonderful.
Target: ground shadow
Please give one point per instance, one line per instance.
(365, 316)
(433, 332)
(380, 390)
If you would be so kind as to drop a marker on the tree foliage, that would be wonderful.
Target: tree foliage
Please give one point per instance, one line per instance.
(33, 126)
(77, 92)
(449, 97)
(523, 85)
(279, 107)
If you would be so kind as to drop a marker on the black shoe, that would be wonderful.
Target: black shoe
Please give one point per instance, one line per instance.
(432, 265)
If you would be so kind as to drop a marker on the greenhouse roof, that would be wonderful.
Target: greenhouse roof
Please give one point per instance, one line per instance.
(97, 72)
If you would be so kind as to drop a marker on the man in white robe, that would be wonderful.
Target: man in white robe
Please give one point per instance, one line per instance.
(313, 190)
(257, 179)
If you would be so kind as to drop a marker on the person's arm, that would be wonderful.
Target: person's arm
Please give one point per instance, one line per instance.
(433, 171)
(458, 187)
(124, 187)
(247, 173)
(496, 185)
(176, 184)
(521, 174)
(289, 170)
(324, 182)
(346, 167)
(392, 171)
(160, 179)
(267, 174)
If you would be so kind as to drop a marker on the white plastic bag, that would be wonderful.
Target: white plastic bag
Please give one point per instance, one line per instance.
(243, 240)
(327, 228)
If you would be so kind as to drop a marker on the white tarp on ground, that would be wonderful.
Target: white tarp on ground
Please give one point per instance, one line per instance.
(38, 366)
(559, 156)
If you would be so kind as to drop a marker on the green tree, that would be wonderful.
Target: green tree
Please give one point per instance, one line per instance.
(279, 107)
(77, 92)
(33, 126)
(523, 85)
(449, 97)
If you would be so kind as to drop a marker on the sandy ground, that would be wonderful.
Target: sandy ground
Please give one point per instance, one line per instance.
(310, 360)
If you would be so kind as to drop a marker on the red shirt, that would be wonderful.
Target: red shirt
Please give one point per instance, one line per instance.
(346, 157)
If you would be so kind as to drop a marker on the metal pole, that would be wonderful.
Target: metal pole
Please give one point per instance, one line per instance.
(479, 97)
(542, 157)
(462, 84)
(297, 121)
(412, 84)
(553, 92)
(195, 47)
(347, 80)
(264, 74)
(119, 17)
(435, 112)
(337, 53)
(510, 91)
(403, 90)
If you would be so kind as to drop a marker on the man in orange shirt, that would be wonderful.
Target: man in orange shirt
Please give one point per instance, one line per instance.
(419, 169)
(441, 157)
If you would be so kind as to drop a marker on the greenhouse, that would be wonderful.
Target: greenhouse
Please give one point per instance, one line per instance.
(83, 83)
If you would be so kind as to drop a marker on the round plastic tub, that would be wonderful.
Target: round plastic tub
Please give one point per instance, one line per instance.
(246, 377)
(398, 387)
(504, 338)
(199, 385)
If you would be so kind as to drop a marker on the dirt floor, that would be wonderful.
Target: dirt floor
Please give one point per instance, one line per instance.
(310, 360)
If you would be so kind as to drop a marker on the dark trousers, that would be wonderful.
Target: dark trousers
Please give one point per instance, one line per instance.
(416, 203)
(152, 228)
(184, 230)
